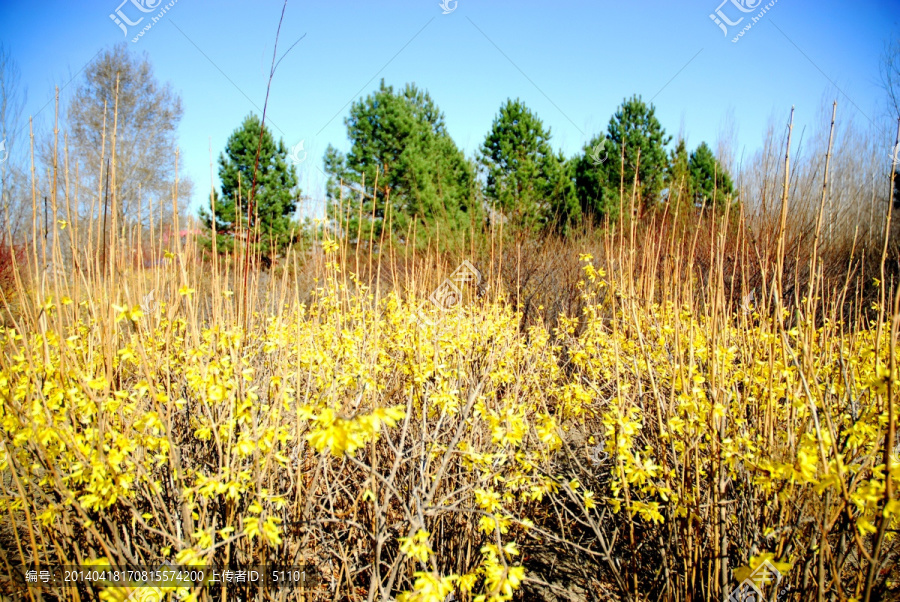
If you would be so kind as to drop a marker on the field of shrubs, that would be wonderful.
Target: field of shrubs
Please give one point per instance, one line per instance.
(647, 424)
(683, 404)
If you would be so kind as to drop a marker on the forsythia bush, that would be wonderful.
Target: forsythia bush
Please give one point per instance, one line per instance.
(419, 458)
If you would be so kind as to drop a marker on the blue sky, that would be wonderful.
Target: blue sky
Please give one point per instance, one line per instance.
(570, 62)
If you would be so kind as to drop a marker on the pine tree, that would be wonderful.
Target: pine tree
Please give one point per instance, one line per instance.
(526, 181)
(564, 208)
(711, 184)
(635, 126)
(401, 136)
(274, 199)
(596, 176)
(679, 182)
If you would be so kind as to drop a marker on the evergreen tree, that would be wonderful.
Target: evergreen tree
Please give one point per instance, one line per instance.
(401, 137)
(526, 181)
(679, 181)
(711, 184)
(596, 176)
(635, 126)
(275, 197)
(564, 208)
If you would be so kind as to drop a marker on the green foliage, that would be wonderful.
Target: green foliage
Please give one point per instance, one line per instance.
(564, 207)
(525, 180)
(711, 184)
(276, 193)
(635, 126)
(401, 137)
(597, 181)
(679, 181)
(634, 144)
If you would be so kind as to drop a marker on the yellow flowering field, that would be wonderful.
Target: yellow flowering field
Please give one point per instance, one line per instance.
(640, 449)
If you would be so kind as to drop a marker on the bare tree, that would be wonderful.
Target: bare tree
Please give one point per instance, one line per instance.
(145, 114)
(890, 74)
(890, 80)
(13, 189)
(726, 142)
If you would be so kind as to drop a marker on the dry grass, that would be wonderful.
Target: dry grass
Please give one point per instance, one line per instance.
(648, 410)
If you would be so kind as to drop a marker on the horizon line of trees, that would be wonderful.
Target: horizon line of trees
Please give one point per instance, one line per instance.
(401, 155)
(403, 169)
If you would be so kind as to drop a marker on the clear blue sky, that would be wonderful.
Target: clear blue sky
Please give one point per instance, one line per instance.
(571, 62)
